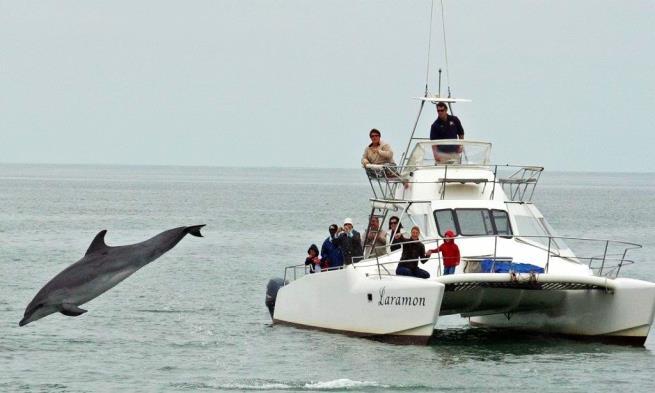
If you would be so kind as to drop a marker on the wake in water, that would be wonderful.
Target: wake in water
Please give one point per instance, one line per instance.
(337, 384)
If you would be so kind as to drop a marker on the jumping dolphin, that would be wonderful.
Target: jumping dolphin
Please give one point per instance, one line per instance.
(100, 269)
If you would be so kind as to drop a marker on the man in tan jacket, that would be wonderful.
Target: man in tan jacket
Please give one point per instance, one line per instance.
(377, 152)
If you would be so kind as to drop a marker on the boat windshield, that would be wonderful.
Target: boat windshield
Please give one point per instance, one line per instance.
(473, 222)
(534, 227)
(450, 152)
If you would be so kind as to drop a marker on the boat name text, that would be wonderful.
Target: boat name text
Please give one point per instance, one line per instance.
(400, 300)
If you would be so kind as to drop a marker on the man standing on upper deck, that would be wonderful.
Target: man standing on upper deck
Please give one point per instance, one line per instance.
(446, 127)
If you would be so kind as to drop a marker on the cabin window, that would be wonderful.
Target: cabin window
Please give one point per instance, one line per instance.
(473, 222)
(445, 221)
(501, 222)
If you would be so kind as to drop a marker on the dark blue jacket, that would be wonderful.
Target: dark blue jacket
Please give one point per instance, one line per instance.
(449, 129)
(332, 252)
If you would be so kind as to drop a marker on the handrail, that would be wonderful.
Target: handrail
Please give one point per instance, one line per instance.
(384, 179)
(606, 269)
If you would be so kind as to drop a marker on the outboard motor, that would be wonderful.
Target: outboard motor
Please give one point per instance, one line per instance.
(274, 285)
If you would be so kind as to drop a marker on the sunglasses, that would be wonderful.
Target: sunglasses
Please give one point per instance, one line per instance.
(375, 136)
(441, 110)
(393, 222)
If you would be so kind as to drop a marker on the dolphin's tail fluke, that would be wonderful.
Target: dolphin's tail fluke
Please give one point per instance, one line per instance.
(194, 230)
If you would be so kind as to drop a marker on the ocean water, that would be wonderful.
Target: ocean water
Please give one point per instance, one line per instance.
(195, 320)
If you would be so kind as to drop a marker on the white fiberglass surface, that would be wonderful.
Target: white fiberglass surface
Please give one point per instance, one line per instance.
(530, 224)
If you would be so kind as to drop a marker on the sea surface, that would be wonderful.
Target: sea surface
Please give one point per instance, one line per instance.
(195, 320)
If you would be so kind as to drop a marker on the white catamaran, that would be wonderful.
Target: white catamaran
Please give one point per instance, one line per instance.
(515, 271)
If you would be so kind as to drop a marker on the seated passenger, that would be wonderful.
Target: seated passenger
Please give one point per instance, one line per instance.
(413, 252)
(313, 260)
(446, 127)
(376, 238)
(377, 152)
(380, 153)
(450, 252)
(396, 235)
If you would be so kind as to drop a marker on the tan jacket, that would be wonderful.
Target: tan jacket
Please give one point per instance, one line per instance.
(381, 155)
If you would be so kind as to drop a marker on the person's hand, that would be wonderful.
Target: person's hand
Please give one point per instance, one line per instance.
(397, 236)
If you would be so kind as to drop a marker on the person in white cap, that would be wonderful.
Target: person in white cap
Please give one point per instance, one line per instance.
(349, 241)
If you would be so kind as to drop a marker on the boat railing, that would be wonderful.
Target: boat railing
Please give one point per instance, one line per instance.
(605, 258)
(518, 181)
(384, 180)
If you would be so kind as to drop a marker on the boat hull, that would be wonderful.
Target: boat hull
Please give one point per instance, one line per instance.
(621, 314)
(350, 301)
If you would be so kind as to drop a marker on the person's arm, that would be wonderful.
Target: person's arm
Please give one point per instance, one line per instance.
(365, 160)
(324, 251)
(460, 129)
(385, 152)
(433, 131)
(382, 236)
(422, 256)
(435, 250)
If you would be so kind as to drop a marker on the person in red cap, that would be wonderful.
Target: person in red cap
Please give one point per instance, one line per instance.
(449, 251)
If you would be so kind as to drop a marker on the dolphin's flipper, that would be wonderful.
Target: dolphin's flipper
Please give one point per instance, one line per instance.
(71, 310)
(98, 243)
(194, 230)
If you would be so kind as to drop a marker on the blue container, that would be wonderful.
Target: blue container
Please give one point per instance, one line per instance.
(508, 266)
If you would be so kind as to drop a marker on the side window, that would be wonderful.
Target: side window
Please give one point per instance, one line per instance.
(501, 222)
(474, 222)
(445, 221)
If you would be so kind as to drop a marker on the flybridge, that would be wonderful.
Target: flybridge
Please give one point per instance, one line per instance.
(423, 177)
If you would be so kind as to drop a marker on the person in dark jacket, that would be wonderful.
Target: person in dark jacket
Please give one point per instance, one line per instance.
(446, 127)
(313, 260)
(349, 242)
(413, 252)
(330, 252)
(396, 234)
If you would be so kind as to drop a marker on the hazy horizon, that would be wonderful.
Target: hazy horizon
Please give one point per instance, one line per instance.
(358, 168)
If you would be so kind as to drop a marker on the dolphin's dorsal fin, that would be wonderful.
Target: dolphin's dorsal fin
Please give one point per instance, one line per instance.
(98, 243)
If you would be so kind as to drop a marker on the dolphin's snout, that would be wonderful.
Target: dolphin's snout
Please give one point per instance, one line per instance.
(23, 322)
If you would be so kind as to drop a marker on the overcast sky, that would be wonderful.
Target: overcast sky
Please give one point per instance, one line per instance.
(565, 84)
